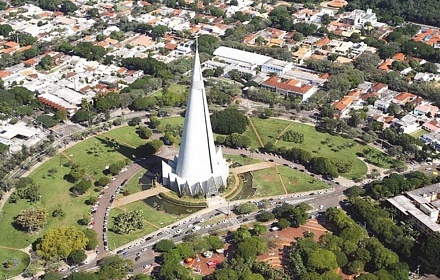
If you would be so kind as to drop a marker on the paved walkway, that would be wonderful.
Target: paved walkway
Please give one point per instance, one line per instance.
(282, 132)
(281, 179)
(138, 196)
(254, 167)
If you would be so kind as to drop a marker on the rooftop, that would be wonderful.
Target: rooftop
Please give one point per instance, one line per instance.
(239, 55)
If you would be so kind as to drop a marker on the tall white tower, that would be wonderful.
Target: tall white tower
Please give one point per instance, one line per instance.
(199, 168)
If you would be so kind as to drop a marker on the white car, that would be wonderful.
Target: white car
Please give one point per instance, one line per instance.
(147, 265)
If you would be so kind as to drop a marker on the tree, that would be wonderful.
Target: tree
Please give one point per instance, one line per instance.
(81, 187)
(214, 242)
(60, 242)
(323, 166)
(128, 222)
(250, 248)
(31, 219)
(259, 229)
(367, 276)
(155, 122)
(51, 275)
(430, 254)
(185, 250)
(103, 181)
(140, 277)
(135, 121)
(82, 276)
(283, 223)
(116, 167)
(114, 268)
(145, 132)
(354, 191)
(81, 115)
(61, 114)
(341, 258)
(164, 245)
(228, 121)
(5, 30)
(92, 238)
(322, 260)
(245, 208)
(265, 216)
(76, 257)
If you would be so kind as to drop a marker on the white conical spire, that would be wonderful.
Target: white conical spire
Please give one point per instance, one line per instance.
(198, 165)
(197, 150)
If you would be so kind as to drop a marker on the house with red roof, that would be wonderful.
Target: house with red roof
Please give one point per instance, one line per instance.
(290, 87)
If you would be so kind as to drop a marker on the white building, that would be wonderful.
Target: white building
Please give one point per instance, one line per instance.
(241, 58)
(421, 206)
(276, 66)
(199, 169)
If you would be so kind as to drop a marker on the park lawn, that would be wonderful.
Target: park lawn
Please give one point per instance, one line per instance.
(269, 129)
(118, 240)
(94, 155)
(378, 158)
(126, 135)
(297, 181)
(153, 220)
(6, 254)
(174, 121)
(249, 132)
(241, 159)
(175, 88)
(267, 182)
(335, 148)
(54, 194)
(132, 185)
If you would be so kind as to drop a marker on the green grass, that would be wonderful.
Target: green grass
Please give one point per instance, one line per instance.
(54, 194)
(268, 183)
(93, 155)
(126, 135)
(297, 181)
(153, 220)
(6, 254)
(174, 121)
(418, 133)
(319, 144)
(249, 132)
(242, 160)
(175, 88)
(132, 185)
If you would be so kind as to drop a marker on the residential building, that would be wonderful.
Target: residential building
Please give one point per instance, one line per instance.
(421, 207)
(406, 124)
(432, 139)
(343, 105)
(403, 98)
(425, 109)
(432, 126)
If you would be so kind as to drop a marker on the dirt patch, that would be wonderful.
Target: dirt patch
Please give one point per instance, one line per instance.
(268, 177)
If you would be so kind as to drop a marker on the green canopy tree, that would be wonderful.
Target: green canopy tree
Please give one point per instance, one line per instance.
(60, 242)
(114, 268)
(31, 219)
